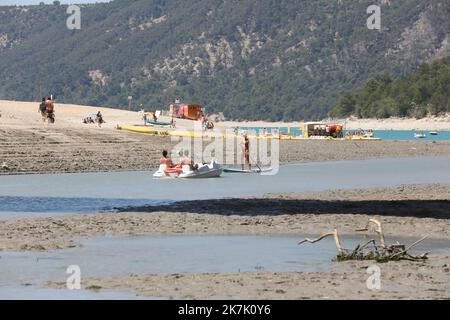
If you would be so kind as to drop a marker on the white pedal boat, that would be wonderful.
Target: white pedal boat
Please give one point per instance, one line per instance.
(420, 135)
(211, 170)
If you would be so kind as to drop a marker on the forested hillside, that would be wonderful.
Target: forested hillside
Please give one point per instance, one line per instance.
(265, 59)
(425, 92)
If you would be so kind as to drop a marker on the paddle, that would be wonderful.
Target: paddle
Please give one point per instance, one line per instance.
(256, 163)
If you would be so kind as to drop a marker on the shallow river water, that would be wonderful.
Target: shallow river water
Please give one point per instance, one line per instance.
(30, 195)
(24, 274)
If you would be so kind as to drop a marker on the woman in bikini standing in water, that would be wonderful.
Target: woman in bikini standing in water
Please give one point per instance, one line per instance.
(246, 153)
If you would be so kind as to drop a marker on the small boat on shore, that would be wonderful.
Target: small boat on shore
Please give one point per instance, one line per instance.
(211, 170)
(157, 123)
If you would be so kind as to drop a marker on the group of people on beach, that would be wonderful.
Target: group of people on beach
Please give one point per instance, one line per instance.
(206, 123)
(47, 110)
(98, 119)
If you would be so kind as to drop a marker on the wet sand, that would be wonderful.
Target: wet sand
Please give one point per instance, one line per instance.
(412, 211)
(405, 211)
(399, 280)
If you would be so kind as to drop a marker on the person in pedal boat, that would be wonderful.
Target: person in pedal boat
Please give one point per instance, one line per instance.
(185, 160)
(166, 160)
(246, 153)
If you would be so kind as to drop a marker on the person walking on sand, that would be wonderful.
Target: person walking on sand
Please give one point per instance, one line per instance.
(99, 119)
(50, 110)
(246, 152)
(42, 110)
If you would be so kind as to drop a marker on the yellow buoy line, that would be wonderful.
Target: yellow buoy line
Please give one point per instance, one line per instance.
(190, 134)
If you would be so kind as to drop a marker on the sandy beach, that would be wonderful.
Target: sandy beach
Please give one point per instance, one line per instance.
(429, 123)
(28, 146)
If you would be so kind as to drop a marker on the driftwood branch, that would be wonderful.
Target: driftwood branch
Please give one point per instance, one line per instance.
(378, 230)
(333, 234)
(410, 247)
(380, 252)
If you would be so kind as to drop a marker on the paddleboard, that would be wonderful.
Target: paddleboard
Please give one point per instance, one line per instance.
(256, 170)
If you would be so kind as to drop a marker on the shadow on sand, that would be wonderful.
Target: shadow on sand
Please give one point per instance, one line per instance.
(439, 209)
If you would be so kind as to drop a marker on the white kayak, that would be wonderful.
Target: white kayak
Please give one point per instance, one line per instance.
(256, 170)
(211, 170)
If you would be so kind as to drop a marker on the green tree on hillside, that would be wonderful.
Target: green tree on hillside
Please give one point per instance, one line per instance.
(424, 92)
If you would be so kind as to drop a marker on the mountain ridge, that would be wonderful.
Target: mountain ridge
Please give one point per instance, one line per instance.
(266, 60)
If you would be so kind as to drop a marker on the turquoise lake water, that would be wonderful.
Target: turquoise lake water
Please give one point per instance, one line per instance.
(400, 135)
(405, 135)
